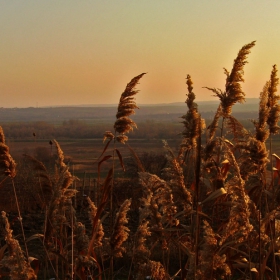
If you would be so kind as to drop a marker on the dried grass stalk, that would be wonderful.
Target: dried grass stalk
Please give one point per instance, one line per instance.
(274, 108)
(120, 230)
(7, 164)
(126, 108)
(141, 253)
(19, 268)
(158, 203)
(60, 207)
(233, 91)
(238, 227)
(152, 270)
(212, 264)
(260, 125)
(99, 230)
(192, 120)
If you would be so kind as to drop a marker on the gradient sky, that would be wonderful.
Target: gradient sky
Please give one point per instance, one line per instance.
(69, 52)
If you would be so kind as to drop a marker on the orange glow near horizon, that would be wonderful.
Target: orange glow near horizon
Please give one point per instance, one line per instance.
(71, 53)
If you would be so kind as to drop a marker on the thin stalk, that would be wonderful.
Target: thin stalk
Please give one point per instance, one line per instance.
(197, 177)
(272, 229)
(271, 166)
(222, 132)
(72, 243)
(111, 270)
(56, 257)
(249, 253)
(74, 187)
(20, 219)
(260, 252)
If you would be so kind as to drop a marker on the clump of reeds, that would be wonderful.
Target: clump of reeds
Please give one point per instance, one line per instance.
(15, 261)
(43, 178)
(238, 227)
(157, 202)
(152, 270)
(176, 180)
(7, 164)
(120, 230)
(60, 201)
(212, 263)
(141, 253)
(99, 233)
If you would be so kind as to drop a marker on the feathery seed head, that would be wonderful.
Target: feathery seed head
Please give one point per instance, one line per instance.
(126, 108)
(108, 135)
(233, 91)
(122, 138)
(273, 105)
(189, 83)
(7, 163)
(191, 120)
(120, 232)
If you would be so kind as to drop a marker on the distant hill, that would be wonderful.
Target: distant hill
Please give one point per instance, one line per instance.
(104, 113)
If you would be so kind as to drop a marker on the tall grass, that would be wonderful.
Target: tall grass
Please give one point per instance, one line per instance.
(211, 213)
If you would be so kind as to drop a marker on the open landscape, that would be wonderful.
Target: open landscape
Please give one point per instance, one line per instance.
(192, 193)
(139, 140)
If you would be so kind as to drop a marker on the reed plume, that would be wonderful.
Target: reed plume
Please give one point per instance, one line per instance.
(192, 120)
(141, 252)
(176, 180)
(150, 207)
(120, 230)
(233, 91)
(254, 157)
(44, 178)
(99, 230)
(158, 202)
(126, 107)
(19, 268)
(60, 202)
(262, 132)
(212, 264)
(212, 128)
(274, 108)
(238, 227)
(152, 270)
(7, 164)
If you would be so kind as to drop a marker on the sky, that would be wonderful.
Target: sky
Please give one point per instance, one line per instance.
(70, 52)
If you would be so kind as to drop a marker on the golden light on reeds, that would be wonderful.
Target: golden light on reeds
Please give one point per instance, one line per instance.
(126, 108)
(233, 91)
(7, 163)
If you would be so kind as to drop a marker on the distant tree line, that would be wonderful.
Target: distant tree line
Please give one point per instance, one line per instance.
(78, 129)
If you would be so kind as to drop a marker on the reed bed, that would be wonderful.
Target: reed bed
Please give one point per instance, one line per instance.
(211, 212)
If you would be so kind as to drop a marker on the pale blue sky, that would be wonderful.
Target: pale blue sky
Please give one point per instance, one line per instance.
(83, 52)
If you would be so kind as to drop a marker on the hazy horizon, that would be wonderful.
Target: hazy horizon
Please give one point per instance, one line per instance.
(216, 101)
(70, 53)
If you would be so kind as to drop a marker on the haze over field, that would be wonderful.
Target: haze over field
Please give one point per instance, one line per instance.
(84, 52)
